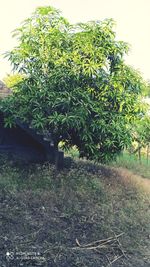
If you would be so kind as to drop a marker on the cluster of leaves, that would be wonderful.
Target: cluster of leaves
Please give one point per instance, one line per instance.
(147, 92)
(12, 80)
(77, 85)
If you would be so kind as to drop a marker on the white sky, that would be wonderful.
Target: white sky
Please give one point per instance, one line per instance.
(132, 17)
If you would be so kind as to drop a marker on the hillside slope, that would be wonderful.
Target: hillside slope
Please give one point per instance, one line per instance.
(87, 215)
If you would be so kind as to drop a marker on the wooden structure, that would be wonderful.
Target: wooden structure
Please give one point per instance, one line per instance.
(22, 143)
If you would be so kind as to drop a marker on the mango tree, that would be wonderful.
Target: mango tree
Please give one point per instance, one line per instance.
(76, 86)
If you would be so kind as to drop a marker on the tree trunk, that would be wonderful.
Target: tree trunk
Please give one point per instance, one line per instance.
(59, 157)
(139, 153)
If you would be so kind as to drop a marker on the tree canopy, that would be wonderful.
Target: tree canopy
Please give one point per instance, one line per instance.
(77, 85)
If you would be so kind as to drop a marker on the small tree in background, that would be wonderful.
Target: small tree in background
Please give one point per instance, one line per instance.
(141, 134)
(77, 85)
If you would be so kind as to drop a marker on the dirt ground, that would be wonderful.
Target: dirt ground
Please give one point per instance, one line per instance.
(38, 229)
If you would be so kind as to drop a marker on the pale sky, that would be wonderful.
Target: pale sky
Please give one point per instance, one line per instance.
(132, 18)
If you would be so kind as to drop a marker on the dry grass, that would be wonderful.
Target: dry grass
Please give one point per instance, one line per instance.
(131, 162)
(127, 178)
(69, 217)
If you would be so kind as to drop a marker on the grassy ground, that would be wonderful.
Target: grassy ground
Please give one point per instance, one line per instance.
(85, 216)
(125, 160)
(132, 163)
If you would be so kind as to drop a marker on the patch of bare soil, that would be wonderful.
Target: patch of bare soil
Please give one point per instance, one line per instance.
(128, 178)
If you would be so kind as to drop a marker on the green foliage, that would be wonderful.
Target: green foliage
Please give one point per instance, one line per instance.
(13, 80)
(143, 130)
(77, 85)
(141, 133)
(147, 89)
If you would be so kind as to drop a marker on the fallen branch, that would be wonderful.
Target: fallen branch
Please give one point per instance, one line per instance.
(115, 259)
(99, 242)
(111, 247)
